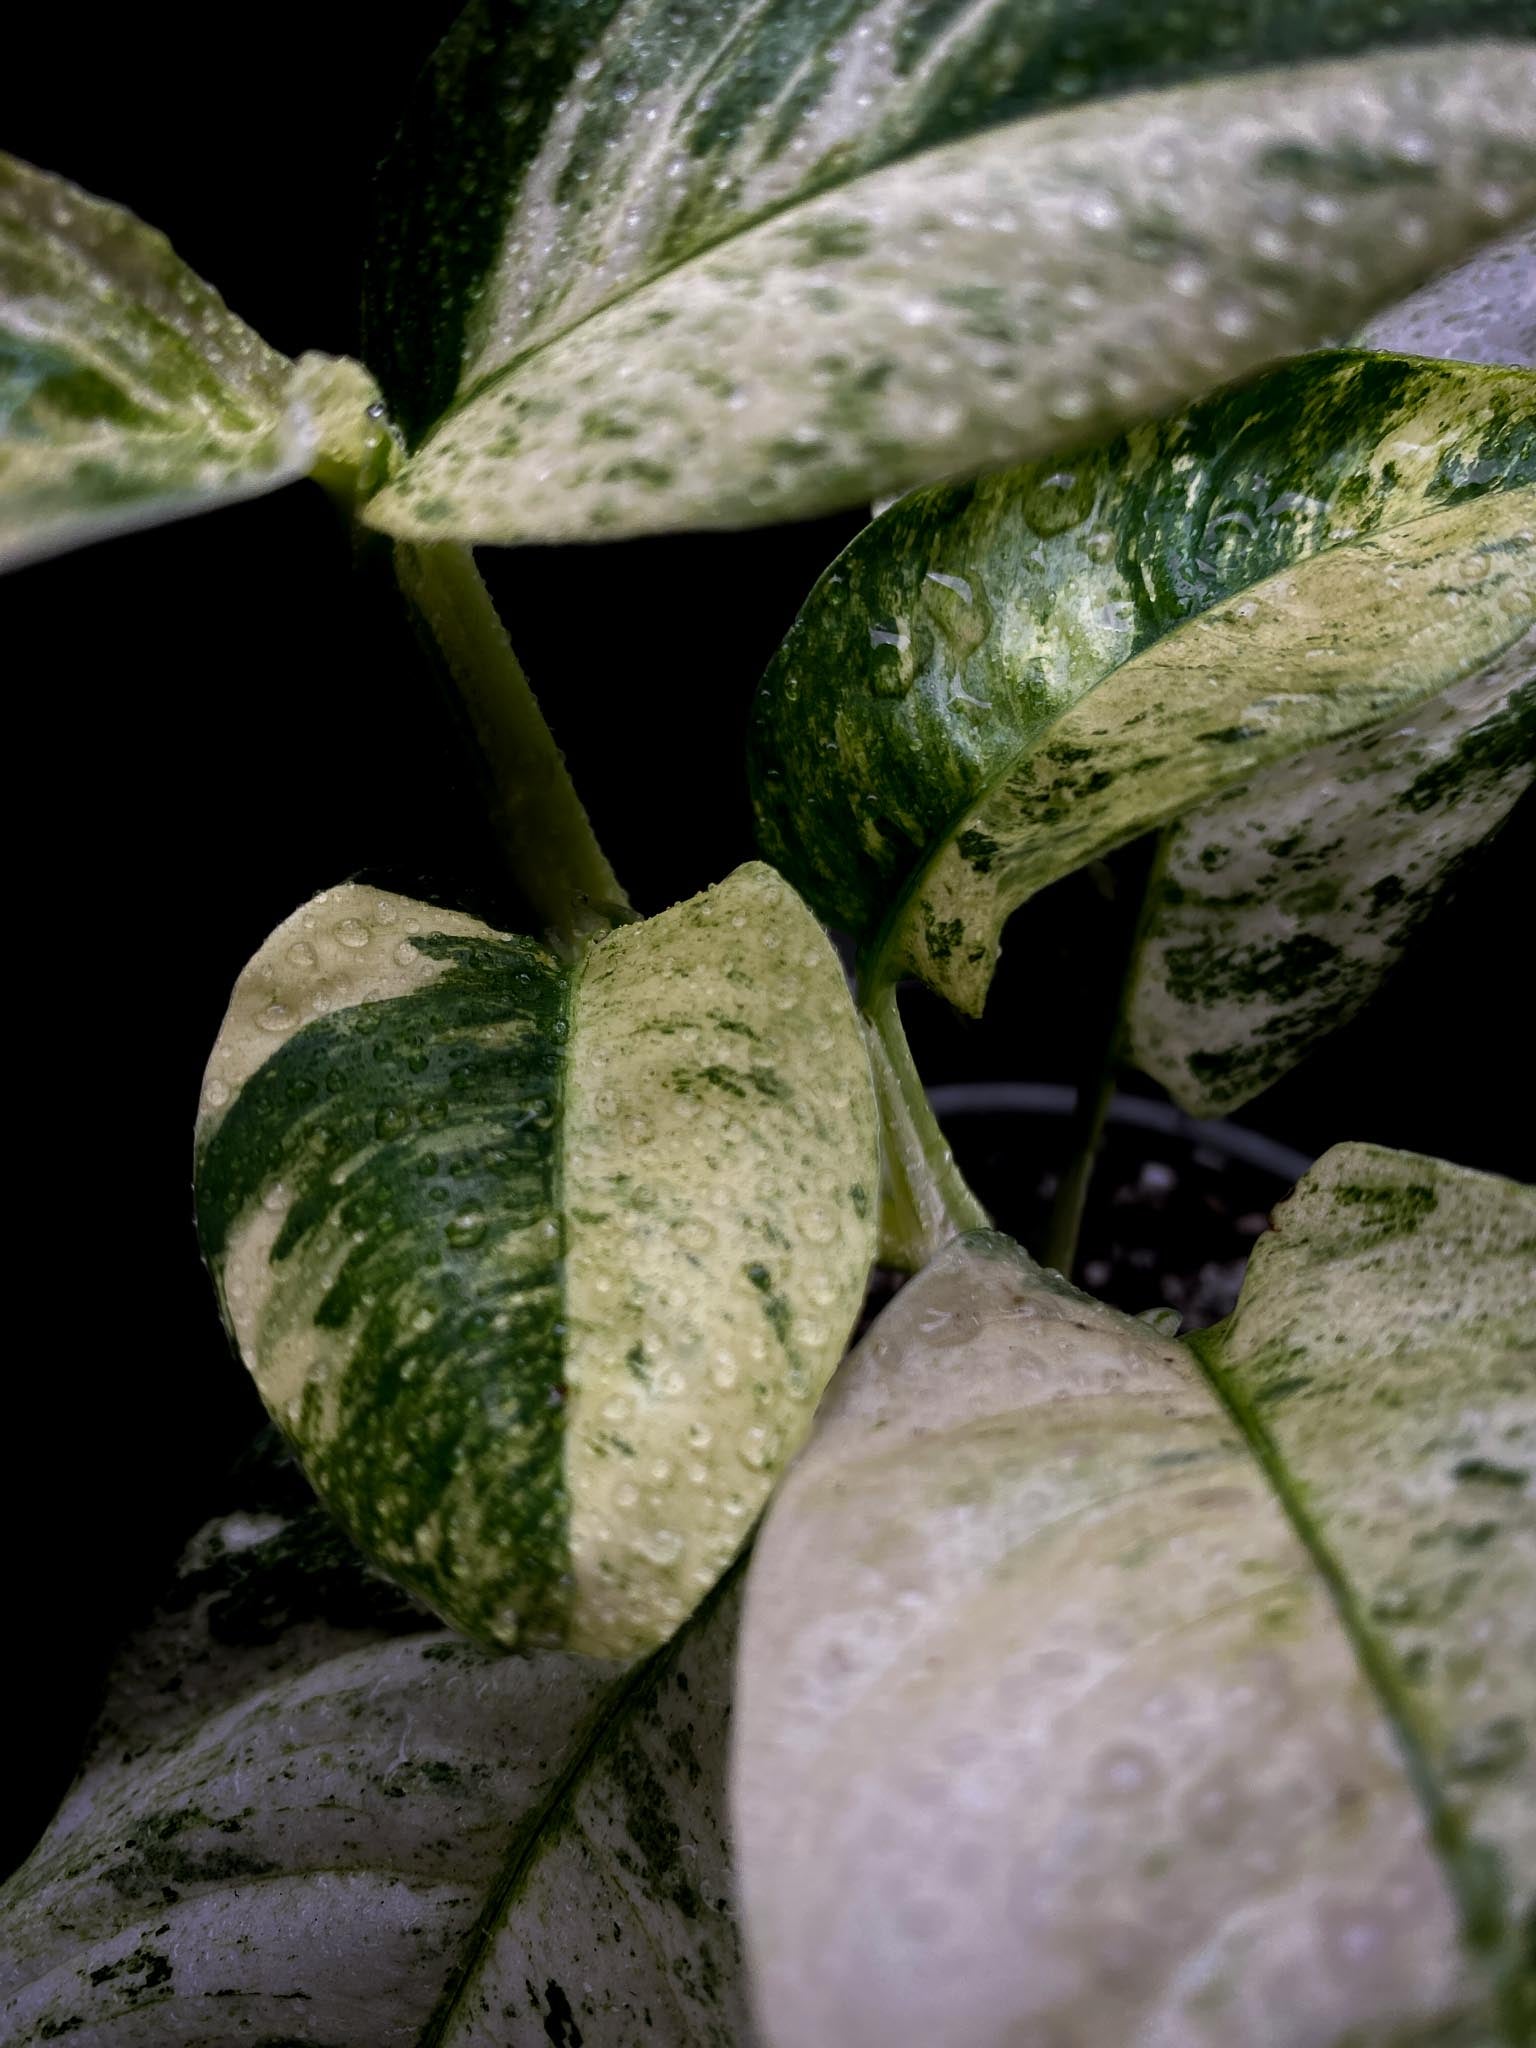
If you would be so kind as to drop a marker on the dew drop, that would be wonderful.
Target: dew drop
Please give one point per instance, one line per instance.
(816, 1223)
(660, 1546)
(1057, 501)
(467, 1227)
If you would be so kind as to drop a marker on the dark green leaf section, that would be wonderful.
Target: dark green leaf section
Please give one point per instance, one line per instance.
(419, 1137)
(557, 157)
(466, 142)
(937, 654)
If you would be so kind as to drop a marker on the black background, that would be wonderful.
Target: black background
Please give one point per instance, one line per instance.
(208, 723)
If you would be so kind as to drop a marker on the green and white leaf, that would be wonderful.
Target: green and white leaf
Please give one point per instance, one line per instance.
(1081, 1700)
(1000, 681)
(542, 1268)
(130, 394)
(313, 1815)
(1275, 914)
(1484, 311)
(644, 267)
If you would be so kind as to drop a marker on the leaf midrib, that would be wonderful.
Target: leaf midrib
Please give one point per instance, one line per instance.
(530, 1839)
(527, 1845)
(808, 195)
(1383, 1675)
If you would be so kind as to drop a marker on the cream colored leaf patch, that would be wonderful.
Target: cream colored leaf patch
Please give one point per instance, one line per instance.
(312, 1814)
(983, 301)
(1276, 913)
(543, 1268)
(1050, 1726)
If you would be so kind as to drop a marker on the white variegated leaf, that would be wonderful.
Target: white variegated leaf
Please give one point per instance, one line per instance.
(1000, 681)
(311, 1815)
(543, 1266)
(1088, 1694)
(130, 394)
(1275, 914)
(649, 267)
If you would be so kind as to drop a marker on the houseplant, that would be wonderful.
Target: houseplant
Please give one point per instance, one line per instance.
(791, 1239)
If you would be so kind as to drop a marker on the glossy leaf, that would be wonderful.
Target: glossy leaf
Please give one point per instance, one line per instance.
(1082, 1700)
(129, 393)
(542, 1268)
(312, 1815)
(998, 682)
(643, 266)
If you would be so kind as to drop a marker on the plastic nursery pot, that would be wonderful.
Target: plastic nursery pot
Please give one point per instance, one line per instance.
(1174, 1206)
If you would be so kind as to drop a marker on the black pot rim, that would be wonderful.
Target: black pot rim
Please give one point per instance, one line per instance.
(1140, 1112)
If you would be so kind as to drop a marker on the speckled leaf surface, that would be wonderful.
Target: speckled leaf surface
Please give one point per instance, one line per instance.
(999, 681)
(1384, 1344)
(558, 157)
(129, 393)
(313, 1815)
(1049, 1725)
(542, 1268)
(645, 267)
(1274, 916)
(1483, 311)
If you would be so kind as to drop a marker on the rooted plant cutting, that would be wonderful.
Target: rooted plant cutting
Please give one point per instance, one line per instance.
(598, 1650)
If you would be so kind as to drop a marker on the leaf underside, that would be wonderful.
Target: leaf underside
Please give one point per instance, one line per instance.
(644, 267)
(311, 1814)
(542, 1268)
(1077, 1703)
(129, 394)
(1275, 914)
(1002, 680)
(1484, 311)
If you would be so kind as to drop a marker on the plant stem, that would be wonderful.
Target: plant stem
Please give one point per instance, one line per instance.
(924, 1201)
(1096, 1087)
(539, 819)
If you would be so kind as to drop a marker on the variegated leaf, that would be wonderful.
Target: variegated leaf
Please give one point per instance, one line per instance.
(998, 682)
(1275, 913)
(129, 393)
(542, 1268)
(1083, 1700)
(644, 266)
(311, 1815)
